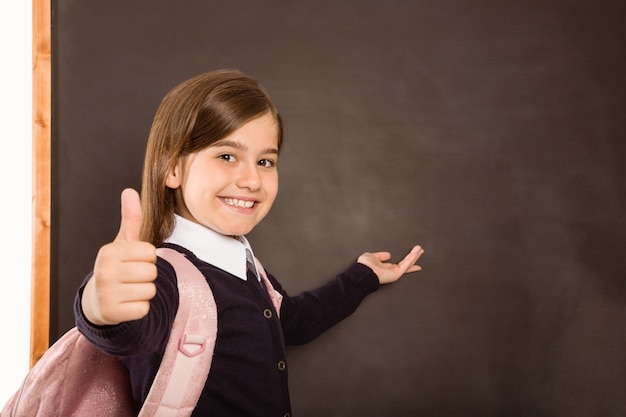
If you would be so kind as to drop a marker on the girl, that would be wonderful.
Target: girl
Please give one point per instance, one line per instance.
(210, 177)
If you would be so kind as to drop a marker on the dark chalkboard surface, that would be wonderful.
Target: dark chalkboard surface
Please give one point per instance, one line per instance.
(491, 132)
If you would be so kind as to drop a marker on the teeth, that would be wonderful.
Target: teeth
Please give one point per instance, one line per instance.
(239, 203)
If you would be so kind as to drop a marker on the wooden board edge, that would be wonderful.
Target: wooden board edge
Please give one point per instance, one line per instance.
(41, 193)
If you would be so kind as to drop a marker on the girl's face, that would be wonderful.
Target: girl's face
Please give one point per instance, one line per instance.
(230, 185)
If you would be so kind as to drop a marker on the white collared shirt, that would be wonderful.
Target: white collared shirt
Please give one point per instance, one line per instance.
(225, 252)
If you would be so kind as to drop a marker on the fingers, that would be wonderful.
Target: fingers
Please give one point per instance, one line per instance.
(117, 259)
(407, 264)
(388, 272)
(122, 284)
(130, 224)
(133, 304)
(129, 311)
(136, 292)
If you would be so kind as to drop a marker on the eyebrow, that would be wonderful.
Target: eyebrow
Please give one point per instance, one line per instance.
(242, 146)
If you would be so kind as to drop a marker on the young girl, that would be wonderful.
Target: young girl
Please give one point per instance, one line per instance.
(210, 177)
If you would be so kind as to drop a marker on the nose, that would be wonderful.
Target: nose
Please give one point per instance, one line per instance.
(248, 176)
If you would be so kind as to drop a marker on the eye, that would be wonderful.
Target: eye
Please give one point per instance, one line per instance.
(267, 163)
(227, 157)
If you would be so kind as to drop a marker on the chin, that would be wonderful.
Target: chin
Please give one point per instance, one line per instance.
(238, 231)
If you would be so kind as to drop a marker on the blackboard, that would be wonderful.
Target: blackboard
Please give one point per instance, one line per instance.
(491, 132)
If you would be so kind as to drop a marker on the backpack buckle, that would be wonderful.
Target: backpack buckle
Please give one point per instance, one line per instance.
(191, 345)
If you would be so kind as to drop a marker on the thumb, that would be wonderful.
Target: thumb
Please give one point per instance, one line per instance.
(130, 225)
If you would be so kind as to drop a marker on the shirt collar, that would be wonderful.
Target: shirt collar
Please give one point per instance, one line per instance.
(225, 252)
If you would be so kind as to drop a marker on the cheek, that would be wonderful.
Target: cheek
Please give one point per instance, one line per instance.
(272, 186)
(194, 191)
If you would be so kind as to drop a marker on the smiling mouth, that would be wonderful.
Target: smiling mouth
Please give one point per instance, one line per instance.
(239, 203)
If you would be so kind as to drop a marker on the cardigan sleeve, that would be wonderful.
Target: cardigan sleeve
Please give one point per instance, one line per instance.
(309, 314)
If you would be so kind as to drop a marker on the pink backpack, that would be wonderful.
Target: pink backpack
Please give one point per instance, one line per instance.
(74, 378)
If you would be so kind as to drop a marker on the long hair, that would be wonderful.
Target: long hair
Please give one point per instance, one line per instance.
(192, 116)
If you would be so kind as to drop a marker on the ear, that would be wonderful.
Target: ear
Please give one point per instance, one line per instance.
(174, 178)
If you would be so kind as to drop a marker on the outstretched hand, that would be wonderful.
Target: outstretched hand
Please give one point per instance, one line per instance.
(122, 283)
(388, 272)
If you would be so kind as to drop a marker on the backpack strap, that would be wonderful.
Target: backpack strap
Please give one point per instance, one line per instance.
(187, 359)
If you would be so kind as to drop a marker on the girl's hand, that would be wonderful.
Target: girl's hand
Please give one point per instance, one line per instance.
(122, 286)
(388, 272)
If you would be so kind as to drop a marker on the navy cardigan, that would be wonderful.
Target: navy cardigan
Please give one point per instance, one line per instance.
(248, 374)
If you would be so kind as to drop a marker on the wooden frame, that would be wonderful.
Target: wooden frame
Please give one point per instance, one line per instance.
(42, 92)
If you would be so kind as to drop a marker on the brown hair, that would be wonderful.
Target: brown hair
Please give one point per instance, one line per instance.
(192, 116)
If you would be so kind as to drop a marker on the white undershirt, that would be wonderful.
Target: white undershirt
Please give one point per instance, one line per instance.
(225, 252)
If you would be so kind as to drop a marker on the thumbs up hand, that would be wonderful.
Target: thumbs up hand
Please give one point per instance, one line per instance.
(122, 283)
